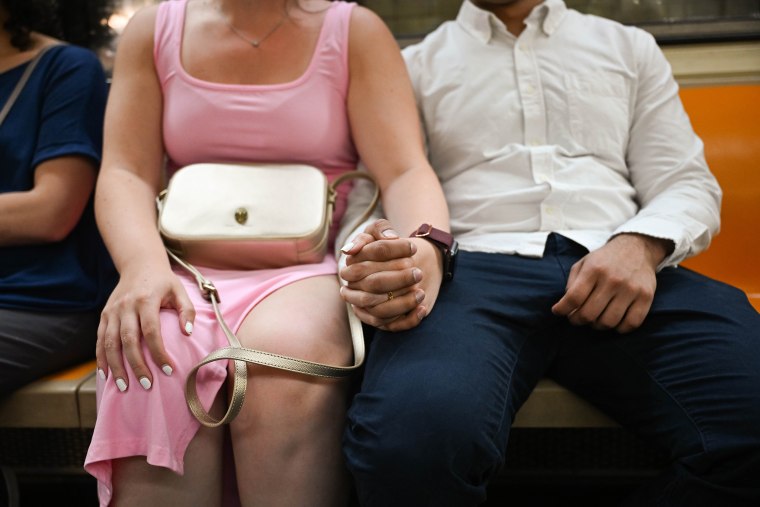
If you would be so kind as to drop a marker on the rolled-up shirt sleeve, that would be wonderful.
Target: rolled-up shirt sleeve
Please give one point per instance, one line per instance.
(679, 198)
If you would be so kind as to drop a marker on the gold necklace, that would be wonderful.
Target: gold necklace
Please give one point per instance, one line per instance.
(253, 42)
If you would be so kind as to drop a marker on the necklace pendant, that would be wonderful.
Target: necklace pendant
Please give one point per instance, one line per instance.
(255, 43)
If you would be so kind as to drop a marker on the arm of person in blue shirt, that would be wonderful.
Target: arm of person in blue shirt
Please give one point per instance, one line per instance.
(48, 211)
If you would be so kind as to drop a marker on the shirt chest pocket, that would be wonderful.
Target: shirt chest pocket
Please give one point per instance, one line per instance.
(598, 111)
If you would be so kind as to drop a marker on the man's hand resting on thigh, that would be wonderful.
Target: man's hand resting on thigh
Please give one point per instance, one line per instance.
(613, 287)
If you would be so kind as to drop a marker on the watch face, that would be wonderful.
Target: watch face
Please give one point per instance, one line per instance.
(449, 260)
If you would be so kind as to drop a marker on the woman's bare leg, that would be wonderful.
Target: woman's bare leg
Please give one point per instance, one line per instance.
(138, 484)
(287, 437)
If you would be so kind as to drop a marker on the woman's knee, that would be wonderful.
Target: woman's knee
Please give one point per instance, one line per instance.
(292, 403)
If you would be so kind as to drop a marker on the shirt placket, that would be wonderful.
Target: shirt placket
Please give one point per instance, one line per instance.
(534, 123)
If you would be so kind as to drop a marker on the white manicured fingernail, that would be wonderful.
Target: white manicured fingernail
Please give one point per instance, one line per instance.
(167, 370)
(348, 246)
(101, 374)
(145, 382)
(390, 233)
(121, 384)
(189, 327)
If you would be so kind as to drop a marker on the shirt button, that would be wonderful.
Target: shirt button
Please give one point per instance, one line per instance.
(535, 142)
(529, 89)
(542, 178)
(549, 210)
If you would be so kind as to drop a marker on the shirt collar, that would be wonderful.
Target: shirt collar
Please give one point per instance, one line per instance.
(481, 23)
(555, 11)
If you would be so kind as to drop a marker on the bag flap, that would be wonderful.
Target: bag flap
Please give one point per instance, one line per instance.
(235, 201)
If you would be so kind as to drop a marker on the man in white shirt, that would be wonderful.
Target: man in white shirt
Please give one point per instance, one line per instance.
(576, 185)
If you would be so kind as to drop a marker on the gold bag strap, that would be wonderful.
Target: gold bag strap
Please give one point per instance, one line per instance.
(241, 355)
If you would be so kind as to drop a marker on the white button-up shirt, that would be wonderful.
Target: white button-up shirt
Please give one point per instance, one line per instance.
(573, 127)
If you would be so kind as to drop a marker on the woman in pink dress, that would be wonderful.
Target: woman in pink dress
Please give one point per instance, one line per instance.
(308, 81)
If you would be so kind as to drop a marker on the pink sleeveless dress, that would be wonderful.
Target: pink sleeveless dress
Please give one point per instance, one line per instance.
(302, 121)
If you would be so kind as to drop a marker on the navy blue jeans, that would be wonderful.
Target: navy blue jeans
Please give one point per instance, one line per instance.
(430, 424)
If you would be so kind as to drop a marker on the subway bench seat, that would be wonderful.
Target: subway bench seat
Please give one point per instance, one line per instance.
(46, 426)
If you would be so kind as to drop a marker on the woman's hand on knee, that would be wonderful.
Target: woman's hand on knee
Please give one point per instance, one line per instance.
(130, 320)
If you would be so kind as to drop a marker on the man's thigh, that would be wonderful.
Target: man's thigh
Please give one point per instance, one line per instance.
(689, 377)
(479, 353)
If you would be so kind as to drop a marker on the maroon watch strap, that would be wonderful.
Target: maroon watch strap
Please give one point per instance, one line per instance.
(427, 231)
(445, 242)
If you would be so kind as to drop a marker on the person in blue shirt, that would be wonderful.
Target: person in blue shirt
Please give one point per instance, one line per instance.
(55, 273)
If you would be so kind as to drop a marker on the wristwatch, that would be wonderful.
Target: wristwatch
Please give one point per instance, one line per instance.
(444, 242)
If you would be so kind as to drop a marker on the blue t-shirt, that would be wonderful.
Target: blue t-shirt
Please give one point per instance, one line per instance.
(59, 113)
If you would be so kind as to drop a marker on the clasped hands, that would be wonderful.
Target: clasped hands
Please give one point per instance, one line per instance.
(610, 288)
(392, 281)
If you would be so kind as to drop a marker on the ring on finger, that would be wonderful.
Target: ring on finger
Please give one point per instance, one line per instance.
(390, 296)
